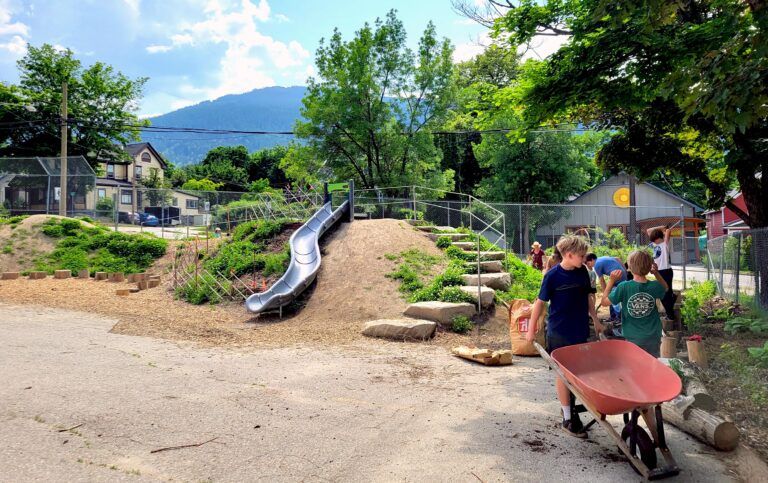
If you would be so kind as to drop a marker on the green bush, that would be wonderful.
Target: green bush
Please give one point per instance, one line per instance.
(746, 324)
(443, 242)
(693, 308)
(461, 324)
(759, 354)
(98, 249)
(526, 280)
(12, 220)
(202, 289)
(245, 252)
(276, 263)
(455, 295)
(410, 280)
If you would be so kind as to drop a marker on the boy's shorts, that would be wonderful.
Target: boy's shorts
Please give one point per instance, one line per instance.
(651, 346)
(554, 341)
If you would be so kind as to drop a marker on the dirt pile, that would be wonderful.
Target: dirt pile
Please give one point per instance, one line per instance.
(21, 243)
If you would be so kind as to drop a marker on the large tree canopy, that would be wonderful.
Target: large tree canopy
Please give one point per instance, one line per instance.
(683, 84)
(368, 109)
(101, 103)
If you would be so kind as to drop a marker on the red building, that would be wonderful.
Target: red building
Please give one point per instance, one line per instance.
(723, 221)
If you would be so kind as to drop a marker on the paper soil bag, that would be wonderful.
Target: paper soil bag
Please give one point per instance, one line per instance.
(519, 324)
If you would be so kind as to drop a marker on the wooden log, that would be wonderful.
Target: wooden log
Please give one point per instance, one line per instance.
(37, 275)
(84, 274)
(116, 277)
(692, 386)
(153, 283)
(130, 278)
(123, 292)
(706, 427)
(62, 274)
(143, 285)
(696, 353)
(668, 347)
(100, 276)
(10, 276)
(139, 277)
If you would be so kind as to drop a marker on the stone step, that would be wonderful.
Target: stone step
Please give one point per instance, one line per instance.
(496, 281)
(465, 245)
(452, 236)
(431, 228)
(487, 295)
(492, 255)
(441, 312)
(491, 266)
(400, 329)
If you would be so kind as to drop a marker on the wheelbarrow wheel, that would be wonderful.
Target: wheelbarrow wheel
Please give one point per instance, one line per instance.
(644, 445)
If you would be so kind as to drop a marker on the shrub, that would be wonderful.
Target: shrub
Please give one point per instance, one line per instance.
(12, 220)
(692, 309)
(759, 354)
(275, 263)
(410, 281)
(461, 324)
(202, 289)
(443, 242)
(746, 324)
(526, 280)
(455, 295)
(257, 230)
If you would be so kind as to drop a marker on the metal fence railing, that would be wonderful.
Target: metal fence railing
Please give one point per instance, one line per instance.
(738, 263)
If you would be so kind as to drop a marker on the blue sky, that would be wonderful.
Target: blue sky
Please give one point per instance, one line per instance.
(193, 50)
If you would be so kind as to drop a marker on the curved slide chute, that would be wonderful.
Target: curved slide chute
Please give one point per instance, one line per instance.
(305, 261)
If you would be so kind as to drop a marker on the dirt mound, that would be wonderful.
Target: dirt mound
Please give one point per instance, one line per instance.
(20, 244)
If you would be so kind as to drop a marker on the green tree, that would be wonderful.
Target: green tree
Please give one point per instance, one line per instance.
(158, 188)
(201, 185)
(369, 107)
(265, 164)
(683, 84)
(224, 164)
(102, 106)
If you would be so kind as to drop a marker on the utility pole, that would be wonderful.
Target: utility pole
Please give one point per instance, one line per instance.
(64, 135)
(632, 238)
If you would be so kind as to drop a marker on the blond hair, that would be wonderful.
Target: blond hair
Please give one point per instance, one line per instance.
(572, 244)
(639, 262)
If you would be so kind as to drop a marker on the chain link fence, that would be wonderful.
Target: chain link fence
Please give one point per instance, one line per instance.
(738, 263)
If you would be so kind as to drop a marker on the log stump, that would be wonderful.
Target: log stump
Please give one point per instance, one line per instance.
(153, 283)
(696, 353)
(143, 285)
(101, 276)
(84, 274)
(62, 274)
(117, 277)
(123, 292)
(130, 278)
(139, 277)
(10, 276)
(668, 347)
(37, 275)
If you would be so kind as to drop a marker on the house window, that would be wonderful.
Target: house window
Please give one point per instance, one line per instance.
(191, 204)
(138, 172)
(101, 193)
(126, 197)
(110, 170)
(146, 158)
(175, 202)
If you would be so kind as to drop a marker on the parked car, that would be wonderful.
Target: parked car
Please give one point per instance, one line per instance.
(144, 219)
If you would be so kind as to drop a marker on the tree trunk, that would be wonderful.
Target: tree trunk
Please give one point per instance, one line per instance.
(692, 386)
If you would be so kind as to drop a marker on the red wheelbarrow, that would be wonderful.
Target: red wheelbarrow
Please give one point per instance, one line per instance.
(617, 377)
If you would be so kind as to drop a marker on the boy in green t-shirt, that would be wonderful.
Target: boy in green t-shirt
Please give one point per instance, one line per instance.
(641, 323)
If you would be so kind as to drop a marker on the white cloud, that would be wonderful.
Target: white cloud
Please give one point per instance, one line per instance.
(155, 49)
(181, 103)
(468, 50)
(249, 54)
(281, 18)
(16, 46)
(13, 34)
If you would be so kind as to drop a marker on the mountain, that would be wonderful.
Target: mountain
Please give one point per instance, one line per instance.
(267, 109)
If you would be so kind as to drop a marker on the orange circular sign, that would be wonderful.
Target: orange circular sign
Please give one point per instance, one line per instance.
(621, 197)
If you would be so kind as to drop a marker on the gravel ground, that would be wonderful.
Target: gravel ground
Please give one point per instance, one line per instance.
(79, 403)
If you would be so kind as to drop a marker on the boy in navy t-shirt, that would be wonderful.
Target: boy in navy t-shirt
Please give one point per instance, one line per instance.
(571, 296)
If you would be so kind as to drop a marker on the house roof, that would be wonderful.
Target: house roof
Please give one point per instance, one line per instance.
(135, 148)
(112, 182)
(605, 182)
(188, 193)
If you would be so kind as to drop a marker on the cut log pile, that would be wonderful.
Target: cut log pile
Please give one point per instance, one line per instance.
(484, 356)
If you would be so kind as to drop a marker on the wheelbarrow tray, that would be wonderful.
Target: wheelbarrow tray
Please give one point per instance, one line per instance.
(616, 376)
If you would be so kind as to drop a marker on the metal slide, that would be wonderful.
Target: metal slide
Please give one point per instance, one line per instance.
(305, 261)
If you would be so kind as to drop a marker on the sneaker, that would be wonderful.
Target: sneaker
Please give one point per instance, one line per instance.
(574, 428)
